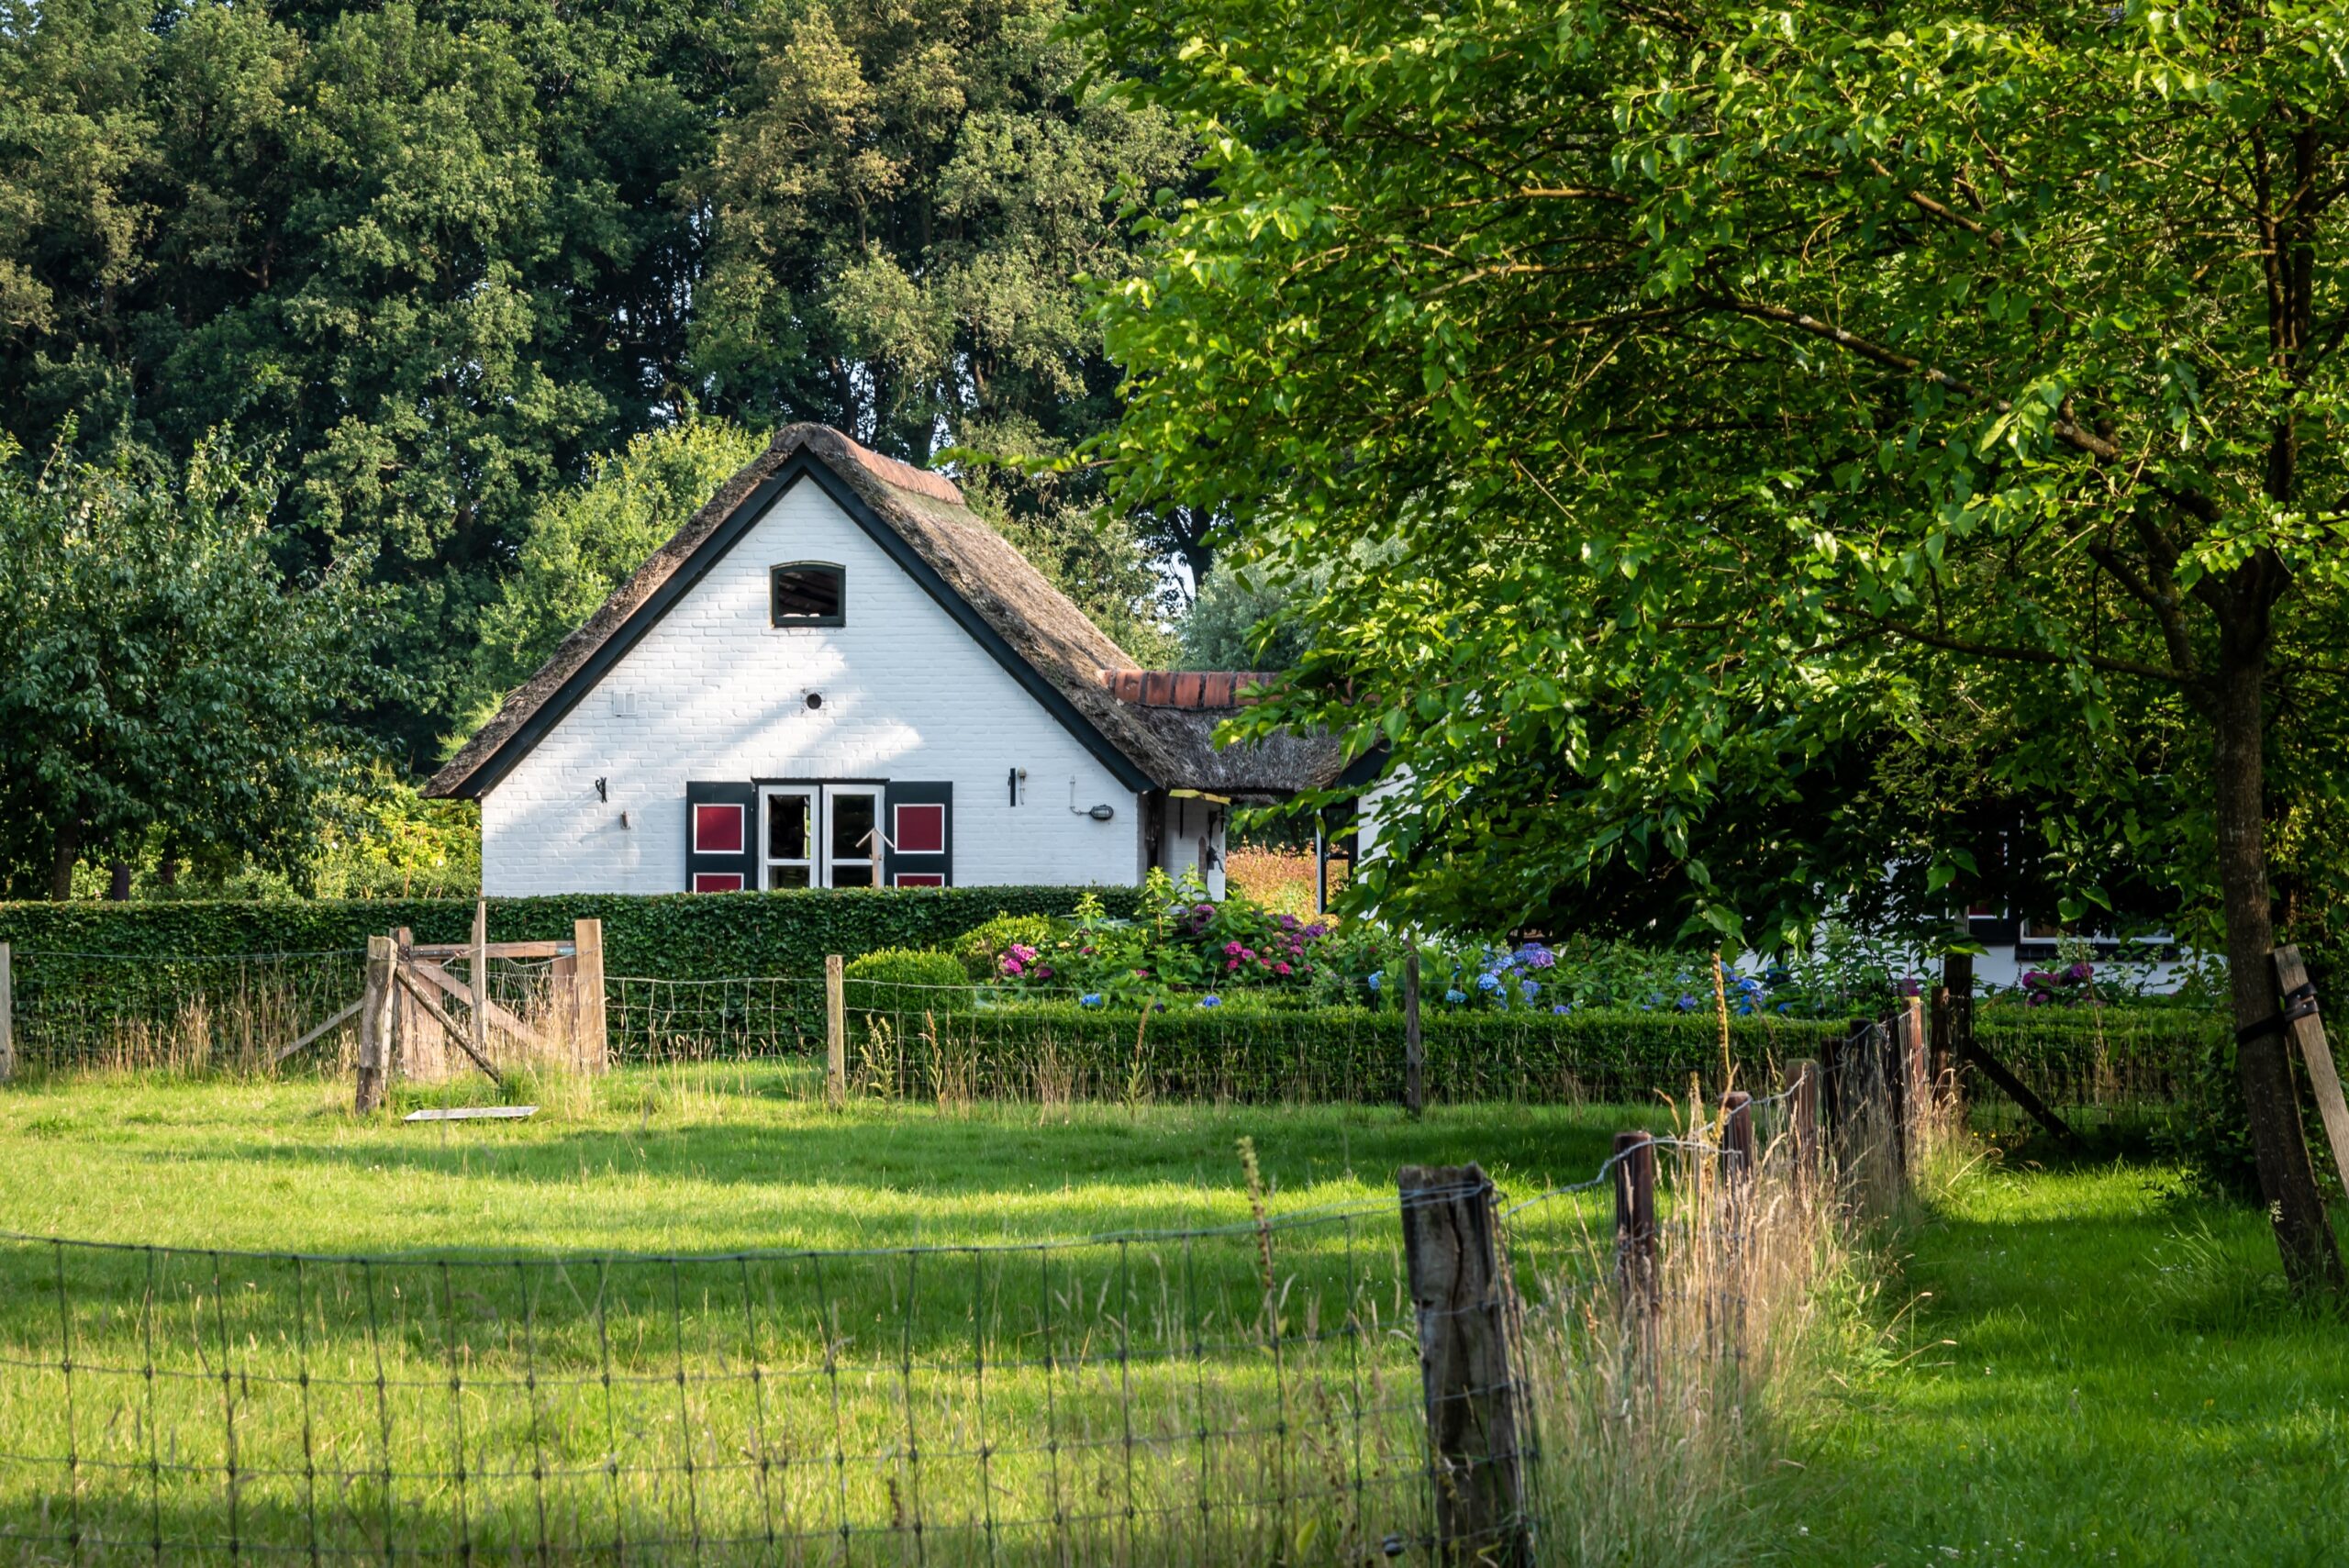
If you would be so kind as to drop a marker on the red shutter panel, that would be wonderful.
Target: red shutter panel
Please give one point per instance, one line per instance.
(920, 835)
(721, 837)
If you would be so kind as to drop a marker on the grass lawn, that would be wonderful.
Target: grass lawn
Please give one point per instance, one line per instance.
(2098, 1367)
(935, 1380)
(707, 1159)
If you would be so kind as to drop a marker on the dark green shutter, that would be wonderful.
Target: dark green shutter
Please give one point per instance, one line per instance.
(742, 861)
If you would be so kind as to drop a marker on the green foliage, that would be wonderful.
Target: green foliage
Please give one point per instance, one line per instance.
(905, 977)
(581, 542)
(1239, 620)
(157, 681)
(444, 255)
(431, 249)
(980, 951)
(1685, 405)
(904, 200)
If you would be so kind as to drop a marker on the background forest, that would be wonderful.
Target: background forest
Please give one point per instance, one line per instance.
(482, 299)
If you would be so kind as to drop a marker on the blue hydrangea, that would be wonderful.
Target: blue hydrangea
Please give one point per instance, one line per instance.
(1211, 1001)
(1376, 976)
(1687, 1004)
(1529, 989)
(1090, 999)
(1558, 1008)
(1488, 982)
(1455, 995)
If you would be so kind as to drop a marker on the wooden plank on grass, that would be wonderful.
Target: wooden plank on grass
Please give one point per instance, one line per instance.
(2306, 1032)
(472, 1113)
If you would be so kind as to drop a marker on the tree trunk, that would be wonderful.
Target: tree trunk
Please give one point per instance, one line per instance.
(66, 855)
(119, 882)
(2303, 1231)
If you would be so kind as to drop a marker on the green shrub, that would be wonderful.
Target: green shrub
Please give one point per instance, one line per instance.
(983, 944)
(896, 979)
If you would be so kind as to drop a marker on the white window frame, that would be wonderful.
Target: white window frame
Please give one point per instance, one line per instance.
(878, 794)
(813, 795)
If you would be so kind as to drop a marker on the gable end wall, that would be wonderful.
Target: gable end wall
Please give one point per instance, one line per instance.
(718, 694)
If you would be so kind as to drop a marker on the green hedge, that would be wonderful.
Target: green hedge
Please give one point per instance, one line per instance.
(939, 1044)
(2108, 1056)
(681, 936)
(274, 967)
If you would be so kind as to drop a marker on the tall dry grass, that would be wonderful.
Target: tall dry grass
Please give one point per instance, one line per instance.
(1659, 1412)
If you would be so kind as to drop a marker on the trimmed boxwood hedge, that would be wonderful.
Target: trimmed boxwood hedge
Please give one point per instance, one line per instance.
(941, 1045)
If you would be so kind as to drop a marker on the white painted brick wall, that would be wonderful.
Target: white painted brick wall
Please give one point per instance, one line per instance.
(720, 694)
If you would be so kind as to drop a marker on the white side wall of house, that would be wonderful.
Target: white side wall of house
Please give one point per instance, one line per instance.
(714, 691)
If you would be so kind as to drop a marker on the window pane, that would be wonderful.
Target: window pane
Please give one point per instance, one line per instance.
(806, 593)
(787, 876)
(852, 874)
(787, 833)
(851, 830)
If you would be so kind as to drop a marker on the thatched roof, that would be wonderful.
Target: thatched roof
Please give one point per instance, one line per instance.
(1045, 640)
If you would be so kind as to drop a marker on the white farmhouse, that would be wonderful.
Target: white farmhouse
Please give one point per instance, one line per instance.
(836, 675)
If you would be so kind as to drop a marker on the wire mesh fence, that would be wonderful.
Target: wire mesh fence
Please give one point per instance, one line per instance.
(956, 1044)
(1291, 1389)
(1204, 1397)
(190, 1014)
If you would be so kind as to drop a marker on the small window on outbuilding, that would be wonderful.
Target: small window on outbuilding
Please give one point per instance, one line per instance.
(808, 593)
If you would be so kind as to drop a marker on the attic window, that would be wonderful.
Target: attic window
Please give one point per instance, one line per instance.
(808, 593)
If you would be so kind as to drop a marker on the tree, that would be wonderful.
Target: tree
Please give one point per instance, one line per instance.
(1239, 620)
(446, 255)
(905, 204)
(154, 676)
(1675, 391)
(585, 541)
(432, 253)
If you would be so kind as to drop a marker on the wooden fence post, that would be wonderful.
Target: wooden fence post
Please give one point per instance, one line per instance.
(835, 1033)
(1802, 1121)
(1635, 1272)
(591, 1042)
(8, 1014)
(376, 1025)
(1952, 1024)
(1415, 1054)
(1891, 1062)
(2296, 1005)
(1737, 1140)
(478, 1025)
(1916, 1074)
(1461, 1298)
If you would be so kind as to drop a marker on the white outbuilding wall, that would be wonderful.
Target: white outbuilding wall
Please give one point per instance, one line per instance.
(715, 691)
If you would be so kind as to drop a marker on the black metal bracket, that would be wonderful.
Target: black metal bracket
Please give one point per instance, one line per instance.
(2300, 1003)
